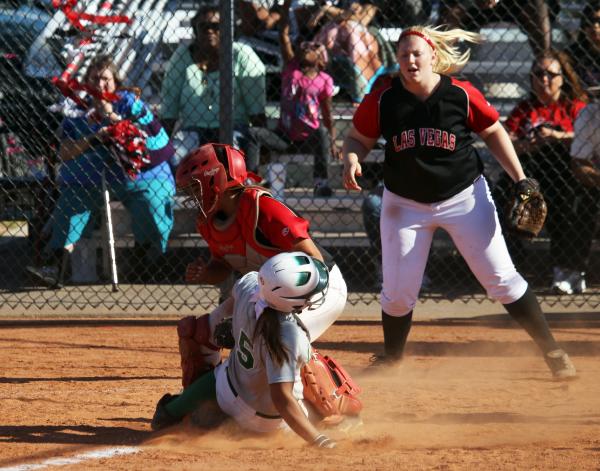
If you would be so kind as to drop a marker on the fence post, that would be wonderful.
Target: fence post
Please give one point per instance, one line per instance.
(226, 73)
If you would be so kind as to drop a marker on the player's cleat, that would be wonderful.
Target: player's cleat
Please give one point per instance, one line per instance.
(162, 418)
(560, 364)
(384, 361)
(48, 275)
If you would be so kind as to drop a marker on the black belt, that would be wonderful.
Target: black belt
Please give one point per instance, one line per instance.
(235, 393)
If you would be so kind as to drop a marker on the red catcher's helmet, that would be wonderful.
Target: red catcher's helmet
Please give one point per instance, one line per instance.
(208, 171)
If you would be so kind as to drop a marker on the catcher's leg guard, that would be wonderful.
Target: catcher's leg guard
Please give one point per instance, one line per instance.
(198, 354)
(162, 418)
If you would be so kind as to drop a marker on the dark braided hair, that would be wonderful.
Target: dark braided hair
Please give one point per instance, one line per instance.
(269, 328)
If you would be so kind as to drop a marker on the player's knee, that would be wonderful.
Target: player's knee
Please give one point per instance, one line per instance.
(197, 329)
(508, 289)
(398, 305)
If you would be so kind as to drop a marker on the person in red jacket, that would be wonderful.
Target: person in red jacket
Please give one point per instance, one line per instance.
(243, 226)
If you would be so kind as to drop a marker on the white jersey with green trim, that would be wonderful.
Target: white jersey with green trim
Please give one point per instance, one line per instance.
(251, 368)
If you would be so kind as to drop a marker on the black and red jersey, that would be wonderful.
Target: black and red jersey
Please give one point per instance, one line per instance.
(429, 153)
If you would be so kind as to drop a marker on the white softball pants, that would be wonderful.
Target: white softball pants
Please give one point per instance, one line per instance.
(470, 219)
(318, 320)
(234, 406)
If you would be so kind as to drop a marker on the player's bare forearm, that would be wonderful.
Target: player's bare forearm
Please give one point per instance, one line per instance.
(500, 145)
(289, 409)
(353, 147)
(308, 247)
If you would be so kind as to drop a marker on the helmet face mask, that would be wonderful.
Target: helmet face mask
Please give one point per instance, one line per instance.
(207, 172)
(196, 198)
(293, 281)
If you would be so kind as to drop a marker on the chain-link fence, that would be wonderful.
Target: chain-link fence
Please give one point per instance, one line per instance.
(284, 90)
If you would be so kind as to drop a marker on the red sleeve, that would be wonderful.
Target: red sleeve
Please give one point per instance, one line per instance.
(518, 118)
(280, 225)
(366, 116)
(480, 115)
(578, 105)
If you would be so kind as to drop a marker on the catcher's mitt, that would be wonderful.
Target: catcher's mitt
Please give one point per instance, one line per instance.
(330, 389)
(527, 209)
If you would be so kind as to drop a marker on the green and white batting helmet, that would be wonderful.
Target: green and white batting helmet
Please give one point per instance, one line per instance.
(292, 281)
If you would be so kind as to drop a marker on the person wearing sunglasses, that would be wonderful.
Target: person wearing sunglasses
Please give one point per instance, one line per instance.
(541, 127)
(191, 86)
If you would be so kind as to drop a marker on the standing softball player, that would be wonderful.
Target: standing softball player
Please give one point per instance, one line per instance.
(433, 179)
(243, 226)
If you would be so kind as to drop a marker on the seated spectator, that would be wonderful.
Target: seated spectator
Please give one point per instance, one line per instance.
(257, 16)
(191, 89)
(354, 55)
(86, 151)
(403, 13)
(585, 151)
(306, 90)
(541, 128)
(535, 18)
(342, 10)
(584, 52)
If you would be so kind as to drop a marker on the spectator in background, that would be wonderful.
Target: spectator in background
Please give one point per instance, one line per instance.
(395, 13)
(534, 17)
(585, 151)
(342, 10)
(257, 16)
(541, 128)
(354, 55)
(191, 89)
(584, 52)
(86, 157)
(306, 91)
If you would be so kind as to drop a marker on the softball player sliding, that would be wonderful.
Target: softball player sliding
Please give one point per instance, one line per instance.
(433, 179)
(243, 226)
(259, 384)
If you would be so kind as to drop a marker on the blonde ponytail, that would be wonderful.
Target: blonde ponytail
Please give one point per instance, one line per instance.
(449, 57)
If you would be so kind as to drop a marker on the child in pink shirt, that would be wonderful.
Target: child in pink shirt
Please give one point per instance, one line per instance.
(306, 92)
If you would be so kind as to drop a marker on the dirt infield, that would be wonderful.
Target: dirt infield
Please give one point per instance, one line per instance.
(471, 395)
